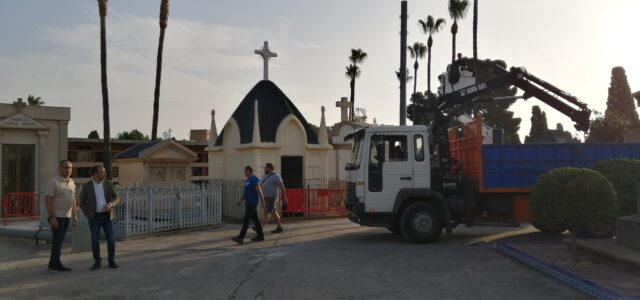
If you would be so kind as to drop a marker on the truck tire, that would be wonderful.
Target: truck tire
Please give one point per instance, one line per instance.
(548, 229)
(421, 223)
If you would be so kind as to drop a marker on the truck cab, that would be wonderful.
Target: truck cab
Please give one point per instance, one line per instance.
(389, 182)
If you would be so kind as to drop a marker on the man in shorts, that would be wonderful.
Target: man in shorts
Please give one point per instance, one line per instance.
(272, 183)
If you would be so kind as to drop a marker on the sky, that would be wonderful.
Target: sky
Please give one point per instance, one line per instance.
(51, 49)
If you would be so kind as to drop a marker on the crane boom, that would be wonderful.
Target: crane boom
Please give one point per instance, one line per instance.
(532, 86)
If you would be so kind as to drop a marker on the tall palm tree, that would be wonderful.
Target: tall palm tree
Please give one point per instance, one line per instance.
(34, 101)
(106, 157)
(417, 51)
(353, 71)
(164, 16)
(457, 11)
(475, 29)
(430, 26)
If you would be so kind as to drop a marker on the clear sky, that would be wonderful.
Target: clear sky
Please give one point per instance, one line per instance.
(51, 49)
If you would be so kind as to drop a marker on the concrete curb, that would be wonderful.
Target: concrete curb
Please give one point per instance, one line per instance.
(584, 285)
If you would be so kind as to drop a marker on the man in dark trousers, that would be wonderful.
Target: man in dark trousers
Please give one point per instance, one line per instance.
(60, 201)
(252, 198)
(97, 200)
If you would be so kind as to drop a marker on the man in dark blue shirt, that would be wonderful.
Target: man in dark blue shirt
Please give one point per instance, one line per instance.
(252, 198)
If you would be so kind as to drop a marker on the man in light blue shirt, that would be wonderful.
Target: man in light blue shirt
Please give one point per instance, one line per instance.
(272, 183)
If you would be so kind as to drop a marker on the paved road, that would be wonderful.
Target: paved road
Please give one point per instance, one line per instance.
(324, 259)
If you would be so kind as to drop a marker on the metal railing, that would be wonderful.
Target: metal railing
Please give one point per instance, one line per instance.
(324, 202)
(151, 209)
(20, 204)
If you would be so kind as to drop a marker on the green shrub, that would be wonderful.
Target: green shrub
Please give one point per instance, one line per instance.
(624, 174)
(576, 199)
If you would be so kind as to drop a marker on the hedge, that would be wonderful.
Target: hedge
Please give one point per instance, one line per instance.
(574, 198)
(624, 174)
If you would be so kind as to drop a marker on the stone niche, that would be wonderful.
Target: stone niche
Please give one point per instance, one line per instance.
(156, 162)
(33, 139)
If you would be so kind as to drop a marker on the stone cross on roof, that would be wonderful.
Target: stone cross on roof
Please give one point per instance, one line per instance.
(344, 105)
(266, 54)
(19, 104)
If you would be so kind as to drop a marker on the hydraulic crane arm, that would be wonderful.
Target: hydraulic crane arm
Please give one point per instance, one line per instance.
(532, 87)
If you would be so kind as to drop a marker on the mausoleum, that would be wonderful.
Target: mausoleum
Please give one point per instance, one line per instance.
(33, 139)
(267, 127)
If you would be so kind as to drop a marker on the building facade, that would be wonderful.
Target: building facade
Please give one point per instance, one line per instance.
(33, 140)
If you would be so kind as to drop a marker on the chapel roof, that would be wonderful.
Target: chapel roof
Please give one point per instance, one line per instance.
(273, 107)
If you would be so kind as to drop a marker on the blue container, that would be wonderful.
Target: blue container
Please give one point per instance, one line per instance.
(518, 166)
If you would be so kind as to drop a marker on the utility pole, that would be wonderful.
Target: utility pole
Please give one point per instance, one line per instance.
(403, 63)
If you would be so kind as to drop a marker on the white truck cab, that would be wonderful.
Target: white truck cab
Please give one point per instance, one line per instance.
(389, 182)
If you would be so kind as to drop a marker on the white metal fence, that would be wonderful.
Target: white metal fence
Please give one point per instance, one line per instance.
(151, 209)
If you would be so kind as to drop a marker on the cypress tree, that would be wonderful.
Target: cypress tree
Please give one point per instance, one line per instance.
(620, 101)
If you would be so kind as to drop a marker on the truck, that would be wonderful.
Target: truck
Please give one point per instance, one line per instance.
(420, 180)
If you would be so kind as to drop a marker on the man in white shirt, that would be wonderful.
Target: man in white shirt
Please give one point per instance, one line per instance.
(97, 200)
(60, 201)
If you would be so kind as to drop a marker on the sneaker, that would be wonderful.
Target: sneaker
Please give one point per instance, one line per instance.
(96, 265)
(112, 265)
(238, 240)
(257, 239)
(277, 230)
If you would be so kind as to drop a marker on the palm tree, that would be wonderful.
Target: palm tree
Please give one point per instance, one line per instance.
(475, 29)
(164, 16)
(353, 71)
(35, 101)
(457, 11)
(417, 51)
(408, 77)
(430, 26)
(106, 157)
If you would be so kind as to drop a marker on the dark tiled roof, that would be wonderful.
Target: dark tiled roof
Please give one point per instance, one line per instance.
(273, 107)
(134, 151)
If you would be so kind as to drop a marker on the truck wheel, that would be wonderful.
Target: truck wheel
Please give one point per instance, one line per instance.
(548, 229)
(421, 223)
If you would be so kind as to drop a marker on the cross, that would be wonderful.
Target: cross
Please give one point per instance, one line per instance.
(344, 105)
(266, 54)
(19, 104)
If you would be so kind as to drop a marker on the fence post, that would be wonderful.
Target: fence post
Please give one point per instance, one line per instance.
(177, 209)
(203, 205)
(150, 208)
(127, 214)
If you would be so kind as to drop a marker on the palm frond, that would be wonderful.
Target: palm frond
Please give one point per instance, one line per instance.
(352, 72)
(423, 25)
(458, 8)
(357, 56)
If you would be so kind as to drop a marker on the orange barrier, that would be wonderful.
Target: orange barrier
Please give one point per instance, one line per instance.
(315, 202)
(22, 204)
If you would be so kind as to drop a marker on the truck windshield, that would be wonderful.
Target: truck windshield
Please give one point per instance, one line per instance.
(356, 153)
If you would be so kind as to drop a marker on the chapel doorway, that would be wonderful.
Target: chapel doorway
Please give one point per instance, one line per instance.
(292, 172)
(18, 168)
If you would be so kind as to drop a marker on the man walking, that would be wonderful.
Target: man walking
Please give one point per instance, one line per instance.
(97, 200)
(272, 183)
(252, 197)
(60, 201)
